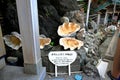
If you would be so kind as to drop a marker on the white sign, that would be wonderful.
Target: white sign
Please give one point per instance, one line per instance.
(62, 58)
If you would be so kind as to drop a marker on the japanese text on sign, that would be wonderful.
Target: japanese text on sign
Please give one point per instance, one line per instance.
(62, 58)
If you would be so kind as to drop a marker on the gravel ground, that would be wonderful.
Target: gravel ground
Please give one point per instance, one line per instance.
(72, 77)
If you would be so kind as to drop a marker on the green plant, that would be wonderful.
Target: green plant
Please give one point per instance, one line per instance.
(52, 43)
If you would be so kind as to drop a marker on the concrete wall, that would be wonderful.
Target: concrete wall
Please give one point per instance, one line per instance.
(2, 50)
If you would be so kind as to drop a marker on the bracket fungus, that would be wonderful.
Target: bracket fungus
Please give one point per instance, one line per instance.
(68, 29)
(44, 41)
(71, 43)
(13, 40)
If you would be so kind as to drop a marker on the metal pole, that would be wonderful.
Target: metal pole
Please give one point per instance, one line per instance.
(88, 11)
(98, 19)
(105, 19)
(114, 9)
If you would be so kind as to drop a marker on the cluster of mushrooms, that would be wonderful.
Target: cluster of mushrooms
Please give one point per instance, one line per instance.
(68, 31)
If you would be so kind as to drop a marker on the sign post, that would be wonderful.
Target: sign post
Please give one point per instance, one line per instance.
(62, 58)
(55, 70)
(69, 69)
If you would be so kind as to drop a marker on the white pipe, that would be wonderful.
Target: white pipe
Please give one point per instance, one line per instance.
(114, 9)
(105, 19)
(88, 11)
(98, 19)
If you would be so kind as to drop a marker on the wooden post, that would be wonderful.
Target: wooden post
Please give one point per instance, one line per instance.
(88, 11)
(29, 29)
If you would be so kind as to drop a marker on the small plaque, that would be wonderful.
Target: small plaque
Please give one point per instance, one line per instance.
(62, 58)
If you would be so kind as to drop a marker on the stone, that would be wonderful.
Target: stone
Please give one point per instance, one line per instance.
(48, 27)
(64, 6)
(76, 16)
(49, 20)
(12, 59)
(81, 34)
(14, 53)
(94, 26)
(75, 66)
(90, 70)
(10, 19)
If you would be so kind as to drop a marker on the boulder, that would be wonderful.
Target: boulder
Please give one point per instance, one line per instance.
(64, 6)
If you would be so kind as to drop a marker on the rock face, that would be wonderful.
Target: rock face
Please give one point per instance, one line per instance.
(48, 21)
(76, 16)
(9, 14)
(64, 6)
(75, 66)
(50, 12)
